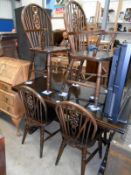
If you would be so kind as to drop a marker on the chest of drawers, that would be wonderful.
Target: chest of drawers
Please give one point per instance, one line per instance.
(12, 72)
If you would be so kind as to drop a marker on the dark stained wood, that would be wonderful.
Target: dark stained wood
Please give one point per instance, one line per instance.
(78, 129)
(2, 156)
(36, 114)
(78, 94)
(79, 38)
(38, 28)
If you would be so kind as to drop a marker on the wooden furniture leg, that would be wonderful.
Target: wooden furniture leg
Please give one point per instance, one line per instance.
(98, 83)
(17, 123)
(48, 71)
(2, 156)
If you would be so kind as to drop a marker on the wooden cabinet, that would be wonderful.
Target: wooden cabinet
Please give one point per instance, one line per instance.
(12, 72)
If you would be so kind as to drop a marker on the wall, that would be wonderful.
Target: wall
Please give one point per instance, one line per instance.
(5, 9)
(26, 2)
(6, 22)
(88, 6)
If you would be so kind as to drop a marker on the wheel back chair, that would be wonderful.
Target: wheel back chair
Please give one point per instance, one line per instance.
(36, 114)
(38, 28)
(78, 129)
(79, 39)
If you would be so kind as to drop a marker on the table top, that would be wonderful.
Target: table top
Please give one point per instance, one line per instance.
(64, 91)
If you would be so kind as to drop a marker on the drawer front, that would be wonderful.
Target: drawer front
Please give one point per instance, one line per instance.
(5, 87)
(7, 108)
(7, 98)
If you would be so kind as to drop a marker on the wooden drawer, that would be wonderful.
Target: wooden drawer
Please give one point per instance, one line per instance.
(13, 106)
(8, 108)
(5, 87)
(11, 110)
(7, 98)
(14, 71)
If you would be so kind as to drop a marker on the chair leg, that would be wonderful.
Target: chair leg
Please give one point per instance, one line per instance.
(61, 149)
(100, 149)
(83, 161)
(41, 141)
(25, 133)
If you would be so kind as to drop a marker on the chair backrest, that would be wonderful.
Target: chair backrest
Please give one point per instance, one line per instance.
(75, 21)
(74, 17)
(37, 25)
(74, 70)
(76, 122)
(35, 107)
(76, 25)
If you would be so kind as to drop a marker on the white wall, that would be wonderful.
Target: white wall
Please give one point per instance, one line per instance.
(5, 9)
(57, 23)
(18, 4)
(26, 2)
(89, 6)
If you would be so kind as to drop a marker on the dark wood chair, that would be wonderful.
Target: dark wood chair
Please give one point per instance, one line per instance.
(79, 129)
(36, 114)
(38, 28)
(79, 38)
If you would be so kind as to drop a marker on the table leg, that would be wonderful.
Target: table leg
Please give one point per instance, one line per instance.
(104, 161)
(48, 71)
(98, 83)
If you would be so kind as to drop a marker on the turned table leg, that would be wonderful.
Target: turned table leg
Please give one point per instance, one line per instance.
(17, 123)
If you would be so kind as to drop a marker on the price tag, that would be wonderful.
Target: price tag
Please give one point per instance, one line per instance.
(75, 85)
(47, 92)
(28, 82)
(63, 94)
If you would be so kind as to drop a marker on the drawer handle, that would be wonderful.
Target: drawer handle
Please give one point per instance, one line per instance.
(8, 109)
(5, 88)
(6, 99)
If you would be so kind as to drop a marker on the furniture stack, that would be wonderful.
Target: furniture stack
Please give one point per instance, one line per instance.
(12, 72)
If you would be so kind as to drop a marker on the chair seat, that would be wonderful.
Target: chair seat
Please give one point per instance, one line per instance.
(77, 143)
(99, 56)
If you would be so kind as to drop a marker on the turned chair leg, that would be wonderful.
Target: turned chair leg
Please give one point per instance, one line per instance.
(61, 149)
(41, 141)
(83, 161)
(25, 133)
